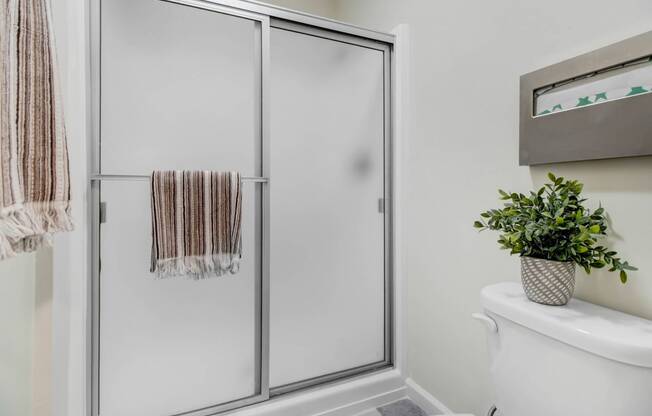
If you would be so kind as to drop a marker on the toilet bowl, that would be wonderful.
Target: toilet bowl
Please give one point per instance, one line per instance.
(580, 359)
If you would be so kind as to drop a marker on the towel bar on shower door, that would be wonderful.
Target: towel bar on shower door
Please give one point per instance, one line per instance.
(256, 179)
(102, 211)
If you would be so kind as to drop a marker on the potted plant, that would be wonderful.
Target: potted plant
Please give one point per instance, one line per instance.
(552, 231)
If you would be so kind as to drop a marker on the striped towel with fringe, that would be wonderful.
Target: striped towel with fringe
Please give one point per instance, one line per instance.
(196, 223)
(34, 173)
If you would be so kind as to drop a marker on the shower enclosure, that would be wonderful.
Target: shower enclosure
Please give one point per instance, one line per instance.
(302, 108)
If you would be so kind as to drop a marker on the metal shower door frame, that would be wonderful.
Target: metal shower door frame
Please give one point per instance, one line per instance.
(267, 16)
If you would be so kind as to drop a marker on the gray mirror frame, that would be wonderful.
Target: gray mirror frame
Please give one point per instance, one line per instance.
(619, 128)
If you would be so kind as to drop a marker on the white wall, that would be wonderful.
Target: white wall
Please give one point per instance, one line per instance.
(467, 57)
(16, 317)
(25, 321)
(25, 334)
(325, 8)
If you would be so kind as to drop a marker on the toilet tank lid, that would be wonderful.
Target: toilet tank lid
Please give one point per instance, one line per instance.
(596, 329)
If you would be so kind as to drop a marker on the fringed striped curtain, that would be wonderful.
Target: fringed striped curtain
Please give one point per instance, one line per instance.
(34, 175)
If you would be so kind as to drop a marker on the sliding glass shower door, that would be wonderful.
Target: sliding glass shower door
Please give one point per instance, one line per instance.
(180, 89)
(327, 275)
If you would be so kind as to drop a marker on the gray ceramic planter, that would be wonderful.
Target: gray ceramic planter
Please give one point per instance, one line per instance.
(546, 281)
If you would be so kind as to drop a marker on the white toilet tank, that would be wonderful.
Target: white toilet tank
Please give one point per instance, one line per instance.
(574, 360)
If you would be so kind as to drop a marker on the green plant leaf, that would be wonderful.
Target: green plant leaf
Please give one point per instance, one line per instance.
(553, 224)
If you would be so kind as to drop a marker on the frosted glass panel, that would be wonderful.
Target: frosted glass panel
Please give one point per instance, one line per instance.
(173, 345)
(179, 79)
(327, 283)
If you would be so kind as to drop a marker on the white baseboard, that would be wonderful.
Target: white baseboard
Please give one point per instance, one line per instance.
(342, 399)
(425, 400)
